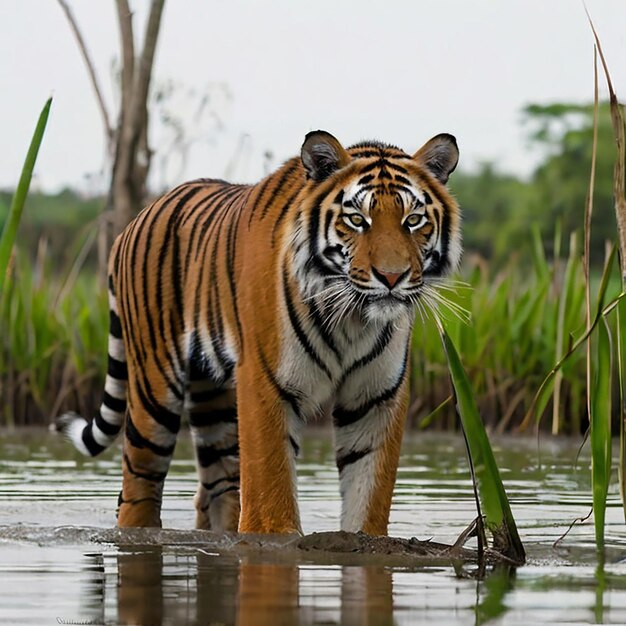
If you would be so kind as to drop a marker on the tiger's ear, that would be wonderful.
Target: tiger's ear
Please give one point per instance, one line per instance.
(322, 154)
(439, 155)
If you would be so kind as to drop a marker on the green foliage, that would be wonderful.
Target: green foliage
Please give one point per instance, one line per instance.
(67, 209)
(562, 180)
(522, 317)
(600, 419)
(62, 220)
(621, 374)
(54, 342)
(498, 207)
(53, 346)
(494, 502)
(495, 210)
(9, 230)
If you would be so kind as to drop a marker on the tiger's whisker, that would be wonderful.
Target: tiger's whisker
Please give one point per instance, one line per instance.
(456, 309)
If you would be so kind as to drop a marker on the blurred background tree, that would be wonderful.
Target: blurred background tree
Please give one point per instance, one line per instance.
(561, 181)
(126, 139)
(499, 208)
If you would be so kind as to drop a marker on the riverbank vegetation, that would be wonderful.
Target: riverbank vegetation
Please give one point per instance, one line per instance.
(521, 285)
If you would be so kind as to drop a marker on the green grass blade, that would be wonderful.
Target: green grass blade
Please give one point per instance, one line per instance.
(606, 279)
(569, 286)
(621, 354)
(542, 269)
(19, 197)
(494, 502)
(600, 434)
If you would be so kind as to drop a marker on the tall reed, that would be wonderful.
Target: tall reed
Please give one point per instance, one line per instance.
(9, 232)
(600, 365)
(491, 498)
(600, 432)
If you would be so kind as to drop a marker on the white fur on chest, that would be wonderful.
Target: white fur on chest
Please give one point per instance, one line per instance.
(344, 376)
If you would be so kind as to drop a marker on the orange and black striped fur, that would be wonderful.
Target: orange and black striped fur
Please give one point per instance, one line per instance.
(254, 308)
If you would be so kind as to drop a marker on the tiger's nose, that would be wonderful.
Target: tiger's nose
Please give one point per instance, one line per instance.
(389, 279)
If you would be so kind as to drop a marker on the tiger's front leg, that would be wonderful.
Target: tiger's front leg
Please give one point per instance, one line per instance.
(267, 452)
(368, 435)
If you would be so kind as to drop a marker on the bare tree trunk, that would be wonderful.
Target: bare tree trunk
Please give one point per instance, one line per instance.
(128, 143)
(132, 155)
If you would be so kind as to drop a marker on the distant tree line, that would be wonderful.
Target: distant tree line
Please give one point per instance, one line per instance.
(499, 208)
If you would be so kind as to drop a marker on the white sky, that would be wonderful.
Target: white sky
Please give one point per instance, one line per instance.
(398, 71)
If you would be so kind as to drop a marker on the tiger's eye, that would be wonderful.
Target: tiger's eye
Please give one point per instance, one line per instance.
(356, 220)
(413, 220)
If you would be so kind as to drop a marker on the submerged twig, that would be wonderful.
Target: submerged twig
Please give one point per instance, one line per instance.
(578, 519)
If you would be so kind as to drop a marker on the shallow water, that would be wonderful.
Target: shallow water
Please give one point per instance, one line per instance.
(55, 568)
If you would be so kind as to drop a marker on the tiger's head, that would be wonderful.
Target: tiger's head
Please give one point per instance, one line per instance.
(380, 225)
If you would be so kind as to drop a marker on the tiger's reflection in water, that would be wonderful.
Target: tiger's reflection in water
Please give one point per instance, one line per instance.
(152, 585)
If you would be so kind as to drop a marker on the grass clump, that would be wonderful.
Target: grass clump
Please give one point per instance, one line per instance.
(53, 344)
(523, 320)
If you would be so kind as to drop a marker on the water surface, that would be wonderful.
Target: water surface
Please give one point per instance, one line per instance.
(53, 501)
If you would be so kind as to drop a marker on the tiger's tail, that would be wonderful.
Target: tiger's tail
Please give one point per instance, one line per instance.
(91, 438)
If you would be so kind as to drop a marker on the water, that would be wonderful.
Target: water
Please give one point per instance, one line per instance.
(57, 566)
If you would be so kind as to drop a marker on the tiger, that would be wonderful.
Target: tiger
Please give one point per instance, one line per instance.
(251, 310)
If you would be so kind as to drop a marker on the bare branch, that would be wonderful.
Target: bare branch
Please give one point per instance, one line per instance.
(135, 132)
(108, 129)
(124, 16)
(142, 78)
